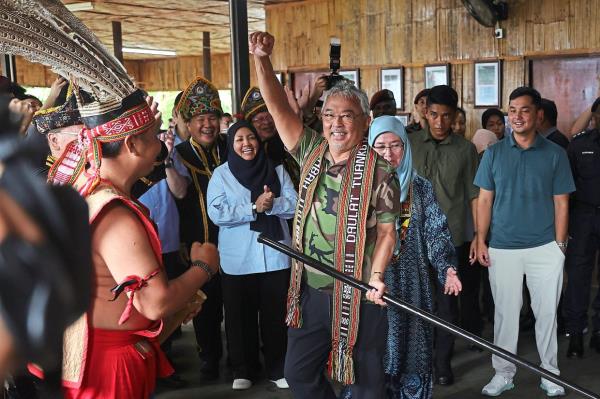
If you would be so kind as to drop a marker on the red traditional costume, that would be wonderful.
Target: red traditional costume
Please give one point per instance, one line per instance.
(116, 363)
(97, 363)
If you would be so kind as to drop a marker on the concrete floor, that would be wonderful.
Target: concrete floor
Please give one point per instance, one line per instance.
(472, 371)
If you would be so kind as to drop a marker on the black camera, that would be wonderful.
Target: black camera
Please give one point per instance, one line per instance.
(335, 53)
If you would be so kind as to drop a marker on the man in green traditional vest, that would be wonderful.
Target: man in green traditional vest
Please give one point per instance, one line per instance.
(194, 161)
(348, 203)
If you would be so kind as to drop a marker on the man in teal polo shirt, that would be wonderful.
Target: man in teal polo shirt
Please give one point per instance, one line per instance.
(524, 181)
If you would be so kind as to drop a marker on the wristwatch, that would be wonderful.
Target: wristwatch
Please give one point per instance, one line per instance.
(169, 163)
(562, 244)
(253, 207)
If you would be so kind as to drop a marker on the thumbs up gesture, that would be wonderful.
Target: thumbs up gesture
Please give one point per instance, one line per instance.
(264, 202)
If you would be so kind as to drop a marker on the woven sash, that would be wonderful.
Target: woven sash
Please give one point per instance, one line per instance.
(350, 238)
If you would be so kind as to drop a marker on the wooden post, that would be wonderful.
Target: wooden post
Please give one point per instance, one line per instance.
(9, 67)
(206, 55)
(117, 40)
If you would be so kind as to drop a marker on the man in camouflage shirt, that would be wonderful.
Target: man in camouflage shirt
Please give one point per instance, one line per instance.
(319, 230)
(345, 121)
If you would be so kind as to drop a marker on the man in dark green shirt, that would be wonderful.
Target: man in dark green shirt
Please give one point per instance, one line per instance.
(450, 163)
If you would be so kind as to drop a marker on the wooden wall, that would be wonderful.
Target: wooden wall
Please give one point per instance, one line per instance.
(387, 33)
(412, 33)
(164, 74)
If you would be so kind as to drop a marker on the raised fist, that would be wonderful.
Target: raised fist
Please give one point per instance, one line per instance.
(261, 44)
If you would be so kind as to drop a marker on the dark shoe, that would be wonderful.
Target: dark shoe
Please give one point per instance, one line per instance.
(173, 381)
(595, 341)
(575, 346)
(445, 379)
(209, 371)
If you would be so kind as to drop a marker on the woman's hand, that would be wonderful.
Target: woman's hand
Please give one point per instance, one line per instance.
(453, 285)
(264, 202)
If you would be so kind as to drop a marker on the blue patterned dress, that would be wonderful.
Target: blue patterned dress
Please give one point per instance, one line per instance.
(427, 251)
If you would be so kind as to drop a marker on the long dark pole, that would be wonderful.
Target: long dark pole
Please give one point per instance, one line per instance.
(206, 62)
(430, 318)
(240, 60)
(117, 40)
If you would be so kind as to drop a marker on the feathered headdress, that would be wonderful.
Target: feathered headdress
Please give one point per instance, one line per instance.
(45, 32)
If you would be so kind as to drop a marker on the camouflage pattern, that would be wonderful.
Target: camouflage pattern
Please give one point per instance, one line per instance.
(320, 225)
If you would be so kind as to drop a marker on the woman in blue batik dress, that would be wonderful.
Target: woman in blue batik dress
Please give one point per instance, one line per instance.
(424, 248)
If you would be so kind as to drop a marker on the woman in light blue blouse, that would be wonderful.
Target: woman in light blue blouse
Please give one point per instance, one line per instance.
(247, 196)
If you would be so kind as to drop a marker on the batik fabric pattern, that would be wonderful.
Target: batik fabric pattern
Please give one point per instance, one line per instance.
(427, 251)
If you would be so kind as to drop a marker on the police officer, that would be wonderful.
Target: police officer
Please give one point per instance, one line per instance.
(584, 235)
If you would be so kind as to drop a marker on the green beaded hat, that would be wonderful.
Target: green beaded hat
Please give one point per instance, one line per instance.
(200, 97)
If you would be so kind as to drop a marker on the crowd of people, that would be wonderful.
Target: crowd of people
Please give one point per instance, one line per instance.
(450, 225)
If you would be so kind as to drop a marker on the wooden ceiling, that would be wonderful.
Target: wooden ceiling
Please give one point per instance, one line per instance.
(169, 24)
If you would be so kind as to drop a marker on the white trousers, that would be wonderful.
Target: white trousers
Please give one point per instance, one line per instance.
(543, 268)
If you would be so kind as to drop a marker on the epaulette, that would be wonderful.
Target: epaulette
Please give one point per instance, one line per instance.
(580, 134)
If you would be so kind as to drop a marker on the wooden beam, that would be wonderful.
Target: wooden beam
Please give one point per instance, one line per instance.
(117, 40)
(206, 55)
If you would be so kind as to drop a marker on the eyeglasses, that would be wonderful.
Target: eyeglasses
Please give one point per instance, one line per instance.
(394, 147)
(347, 118)
(262, 119)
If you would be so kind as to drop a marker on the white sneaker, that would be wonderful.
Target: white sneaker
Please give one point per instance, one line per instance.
(281, 383)
(239, 384)
(497, 385)
(551, 388)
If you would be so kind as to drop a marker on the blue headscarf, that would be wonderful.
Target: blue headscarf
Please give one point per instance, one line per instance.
(405, 171)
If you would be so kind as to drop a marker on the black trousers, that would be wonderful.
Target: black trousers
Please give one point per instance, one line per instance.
(446, 307)
(253, 300)
(584, 232)
(174, 267)
(470, 277)
(309, 346)
(207, 326)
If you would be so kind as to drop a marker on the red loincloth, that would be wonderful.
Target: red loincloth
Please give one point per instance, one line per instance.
(121, 365)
